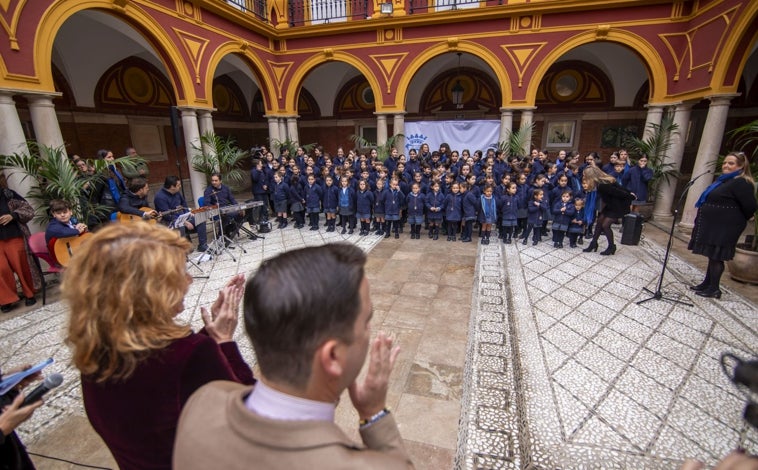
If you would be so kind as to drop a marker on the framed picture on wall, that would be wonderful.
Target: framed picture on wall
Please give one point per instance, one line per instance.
(560, 134)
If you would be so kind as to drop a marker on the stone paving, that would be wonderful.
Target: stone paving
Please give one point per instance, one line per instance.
(558, 367)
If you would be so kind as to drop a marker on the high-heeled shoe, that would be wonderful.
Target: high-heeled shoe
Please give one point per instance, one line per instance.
(609, 251)
(709, 293)
(591, 247)
(702, 286)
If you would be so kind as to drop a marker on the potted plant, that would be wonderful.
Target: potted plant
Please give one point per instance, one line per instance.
(220, 154)
(53, 176)
(655, 146)
(744, 266)
(382, 151)
(290, 145)
(517, 142)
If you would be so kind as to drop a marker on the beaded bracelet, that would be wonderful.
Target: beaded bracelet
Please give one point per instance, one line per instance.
(364, 423)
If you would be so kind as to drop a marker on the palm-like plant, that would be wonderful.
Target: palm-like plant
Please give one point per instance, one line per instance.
(745, 137)
(656, 146)
(223, 156)
(291, 145)
(53, 176)
(516, 142)
(382, 151)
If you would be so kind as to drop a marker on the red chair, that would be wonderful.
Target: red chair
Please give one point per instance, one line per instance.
(39, 250)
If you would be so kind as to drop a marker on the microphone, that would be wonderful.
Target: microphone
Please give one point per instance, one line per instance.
(50, 382)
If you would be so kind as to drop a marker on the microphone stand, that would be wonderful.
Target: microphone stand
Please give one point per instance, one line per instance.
(658, 294)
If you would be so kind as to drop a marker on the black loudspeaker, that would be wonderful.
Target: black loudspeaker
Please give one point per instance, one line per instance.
(631, 230)
(175, 127)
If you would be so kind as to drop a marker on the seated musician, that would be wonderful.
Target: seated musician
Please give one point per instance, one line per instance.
(134, 200)
(170, 198)
(62, 225)
(218, 194)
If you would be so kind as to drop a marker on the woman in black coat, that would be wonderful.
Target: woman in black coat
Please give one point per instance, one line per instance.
(616, 203)
(723, 211)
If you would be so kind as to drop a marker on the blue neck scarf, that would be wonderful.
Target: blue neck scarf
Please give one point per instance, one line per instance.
(589, 207)
(719, 181)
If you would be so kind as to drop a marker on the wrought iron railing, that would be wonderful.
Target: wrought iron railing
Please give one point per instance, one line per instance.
(431, 6)
(256, 8)
(309, 12)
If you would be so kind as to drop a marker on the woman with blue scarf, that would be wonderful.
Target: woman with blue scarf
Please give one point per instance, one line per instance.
(723, 211)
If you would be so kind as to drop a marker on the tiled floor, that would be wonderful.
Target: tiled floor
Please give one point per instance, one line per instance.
(512, 356)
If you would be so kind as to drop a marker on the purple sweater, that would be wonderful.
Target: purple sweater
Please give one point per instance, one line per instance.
(137, 417)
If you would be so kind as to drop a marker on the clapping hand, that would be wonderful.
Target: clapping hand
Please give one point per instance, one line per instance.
(370, 396)
(221, 321)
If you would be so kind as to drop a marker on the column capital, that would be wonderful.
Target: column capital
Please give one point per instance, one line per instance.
(379, 114)
(722, 98)
(507, 110)
(660, 106)
(399, 113)
(205, 111)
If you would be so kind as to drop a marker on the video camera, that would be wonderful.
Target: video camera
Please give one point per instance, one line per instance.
(743, 374)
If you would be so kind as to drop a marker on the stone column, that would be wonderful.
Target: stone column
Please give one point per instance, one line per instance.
(654, 116)
(381, 128)
(191, 141)
(46, 128)
(283, 129)
(527, 116)
(506, 124)
(273, 134)
(398, 128)
(665, 199)
(707, 154)
(292, 129)
(12, 140)
(205, 121)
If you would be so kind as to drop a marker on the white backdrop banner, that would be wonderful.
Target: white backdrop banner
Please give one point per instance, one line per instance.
(472, 135)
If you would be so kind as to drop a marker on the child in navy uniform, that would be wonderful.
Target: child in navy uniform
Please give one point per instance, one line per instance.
(453, 211)
(563, 212)
(523, 198)
(434, 203)
(536, 215)
(487, 213)
(470, 206)
(415, 203)
(509, 210)
(364, 202)
(313, 195)
(380, 197)
(281, 193)
(331, 201)
(297, 201)
(392, 206)
(576, 227)
(346, 198)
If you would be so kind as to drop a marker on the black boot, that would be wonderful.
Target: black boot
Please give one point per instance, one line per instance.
(387, 226)
(436, 233)
(609, 251)
(591, 247)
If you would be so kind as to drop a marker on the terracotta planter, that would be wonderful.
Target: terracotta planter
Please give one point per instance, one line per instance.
(744, 266)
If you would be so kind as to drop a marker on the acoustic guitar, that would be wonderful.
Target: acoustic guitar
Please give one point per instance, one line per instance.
(128, 218)
(64, 248)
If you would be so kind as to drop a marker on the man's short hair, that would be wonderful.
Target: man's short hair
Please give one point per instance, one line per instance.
(296, 301)
(170, 181)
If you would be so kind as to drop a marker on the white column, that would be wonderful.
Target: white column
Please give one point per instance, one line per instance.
(506, 124)
(527, 116)
(283, 130)
(12, 140)
(654, 116)
(398, 127)
(205, 122)
(707, 154)
(665, 199)
(46, 128)
(381, 128)
(191, 142)
(292, 128)
(273, 134)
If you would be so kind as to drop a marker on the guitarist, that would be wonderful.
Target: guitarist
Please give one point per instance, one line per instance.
(62, 226)
(170, 198)
(134, 199)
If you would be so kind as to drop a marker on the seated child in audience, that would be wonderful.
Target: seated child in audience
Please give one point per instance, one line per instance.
(63, 224)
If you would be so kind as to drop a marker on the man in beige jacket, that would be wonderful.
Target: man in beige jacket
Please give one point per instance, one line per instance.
(307, 313)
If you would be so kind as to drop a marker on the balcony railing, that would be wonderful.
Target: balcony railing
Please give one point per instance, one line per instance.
(256, 8)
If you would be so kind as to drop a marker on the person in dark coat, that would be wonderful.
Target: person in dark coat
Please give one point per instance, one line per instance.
(723, 211)
(616, 204)
(636, 179)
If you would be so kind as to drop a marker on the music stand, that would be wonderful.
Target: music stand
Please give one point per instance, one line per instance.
(658, 294)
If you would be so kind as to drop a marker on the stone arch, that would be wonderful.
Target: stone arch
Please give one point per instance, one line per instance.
(256, 66)
(472, 48)
(146, 25)
(309, 64)
(736, 51)
(648, 55)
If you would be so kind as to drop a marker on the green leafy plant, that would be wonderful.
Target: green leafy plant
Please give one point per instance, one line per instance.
(382, 151)
(291, 145)
(656, 145)
(746, 137)
(222, 156)
(517, 141)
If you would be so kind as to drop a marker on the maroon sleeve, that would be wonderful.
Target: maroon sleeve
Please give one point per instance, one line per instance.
(238, 365)
(206, 363)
